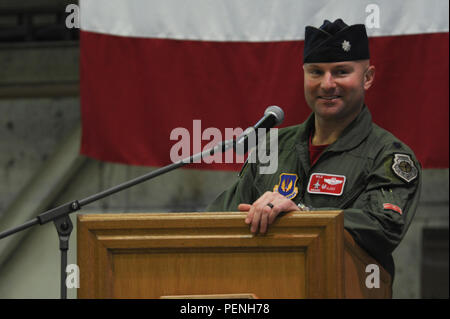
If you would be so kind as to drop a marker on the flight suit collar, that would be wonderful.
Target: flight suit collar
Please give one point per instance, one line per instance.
(356, 132)
(351, 137)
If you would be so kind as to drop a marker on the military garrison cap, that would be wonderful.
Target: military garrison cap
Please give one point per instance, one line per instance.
(335, 42)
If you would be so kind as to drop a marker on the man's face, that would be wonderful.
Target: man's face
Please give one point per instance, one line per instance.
(335, 91)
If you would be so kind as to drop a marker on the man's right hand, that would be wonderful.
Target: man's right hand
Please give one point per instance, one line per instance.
(265, 210)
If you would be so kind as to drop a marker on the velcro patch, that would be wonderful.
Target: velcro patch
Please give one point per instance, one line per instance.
(392, 207)
(287, 187)
(327, 184)
(404, 167)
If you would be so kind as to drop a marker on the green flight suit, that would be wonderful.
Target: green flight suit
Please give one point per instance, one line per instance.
(381, 190)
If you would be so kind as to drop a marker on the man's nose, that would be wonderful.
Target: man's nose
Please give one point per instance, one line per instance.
(327, 82)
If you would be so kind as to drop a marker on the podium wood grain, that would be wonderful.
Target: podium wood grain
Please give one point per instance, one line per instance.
(178, 254)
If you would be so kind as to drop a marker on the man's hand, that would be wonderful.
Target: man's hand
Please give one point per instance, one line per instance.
(260, 214)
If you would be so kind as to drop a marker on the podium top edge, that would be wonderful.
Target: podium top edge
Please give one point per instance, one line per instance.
(197, 215)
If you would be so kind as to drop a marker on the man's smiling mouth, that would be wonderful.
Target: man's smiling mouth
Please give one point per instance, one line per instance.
(330, 97)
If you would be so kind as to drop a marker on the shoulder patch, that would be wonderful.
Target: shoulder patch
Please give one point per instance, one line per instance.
(404, 167)
(286, 186)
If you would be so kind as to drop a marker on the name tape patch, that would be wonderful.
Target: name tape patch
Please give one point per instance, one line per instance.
(327, 184)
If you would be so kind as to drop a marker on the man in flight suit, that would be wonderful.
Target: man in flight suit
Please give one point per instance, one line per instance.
(338, 158)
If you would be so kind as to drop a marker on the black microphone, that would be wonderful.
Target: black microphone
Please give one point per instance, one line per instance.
(273, 116)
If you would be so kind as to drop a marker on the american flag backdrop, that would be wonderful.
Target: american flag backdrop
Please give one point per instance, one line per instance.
(149, 66)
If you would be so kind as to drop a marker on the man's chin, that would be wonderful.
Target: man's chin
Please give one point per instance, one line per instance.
(330, 112)
(328, 107)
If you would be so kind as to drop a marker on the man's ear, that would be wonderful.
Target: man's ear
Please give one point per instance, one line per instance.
(369, 77)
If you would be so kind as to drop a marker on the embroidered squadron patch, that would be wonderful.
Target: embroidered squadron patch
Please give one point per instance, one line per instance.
(287, 187)
(326, 184)
(404, 167)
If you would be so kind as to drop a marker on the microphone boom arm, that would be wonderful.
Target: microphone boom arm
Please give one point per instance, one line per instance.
(60, 215)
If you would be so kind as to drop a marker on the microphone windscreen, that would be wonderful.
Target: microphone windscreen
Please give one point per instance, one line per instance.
(277, 112)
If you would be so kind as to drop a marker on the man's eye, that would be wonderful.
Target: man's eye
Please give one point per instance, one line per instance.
(342, 72)
(315, 72)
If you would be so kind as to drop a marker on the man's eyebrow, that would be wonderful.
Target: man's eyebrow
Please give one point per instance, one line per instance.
(312, 66)
(346, 65)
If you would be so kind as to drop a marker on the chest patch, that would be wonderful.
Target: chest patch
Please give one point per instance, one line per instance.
(327, 184)
(287, 187)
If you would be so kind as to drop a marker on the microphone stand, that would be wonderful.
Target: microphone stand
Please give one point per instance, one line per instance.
(60, 214)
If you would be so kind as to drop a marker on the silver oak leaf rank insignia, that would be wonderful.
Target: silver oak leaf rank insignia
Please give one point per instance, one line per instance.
(404, 167)
(346, 46)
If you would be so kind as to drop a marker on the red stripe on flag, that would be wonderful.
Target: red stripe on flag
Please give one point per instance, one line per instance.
(135, 91)
(410, 96)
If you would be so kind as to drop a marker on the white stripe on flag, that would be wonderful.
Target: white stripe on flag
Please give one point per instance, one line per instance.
(255, 20)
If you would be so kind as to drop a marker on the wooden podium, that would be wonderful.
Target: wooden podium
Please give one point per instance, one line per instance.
(214, 255)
